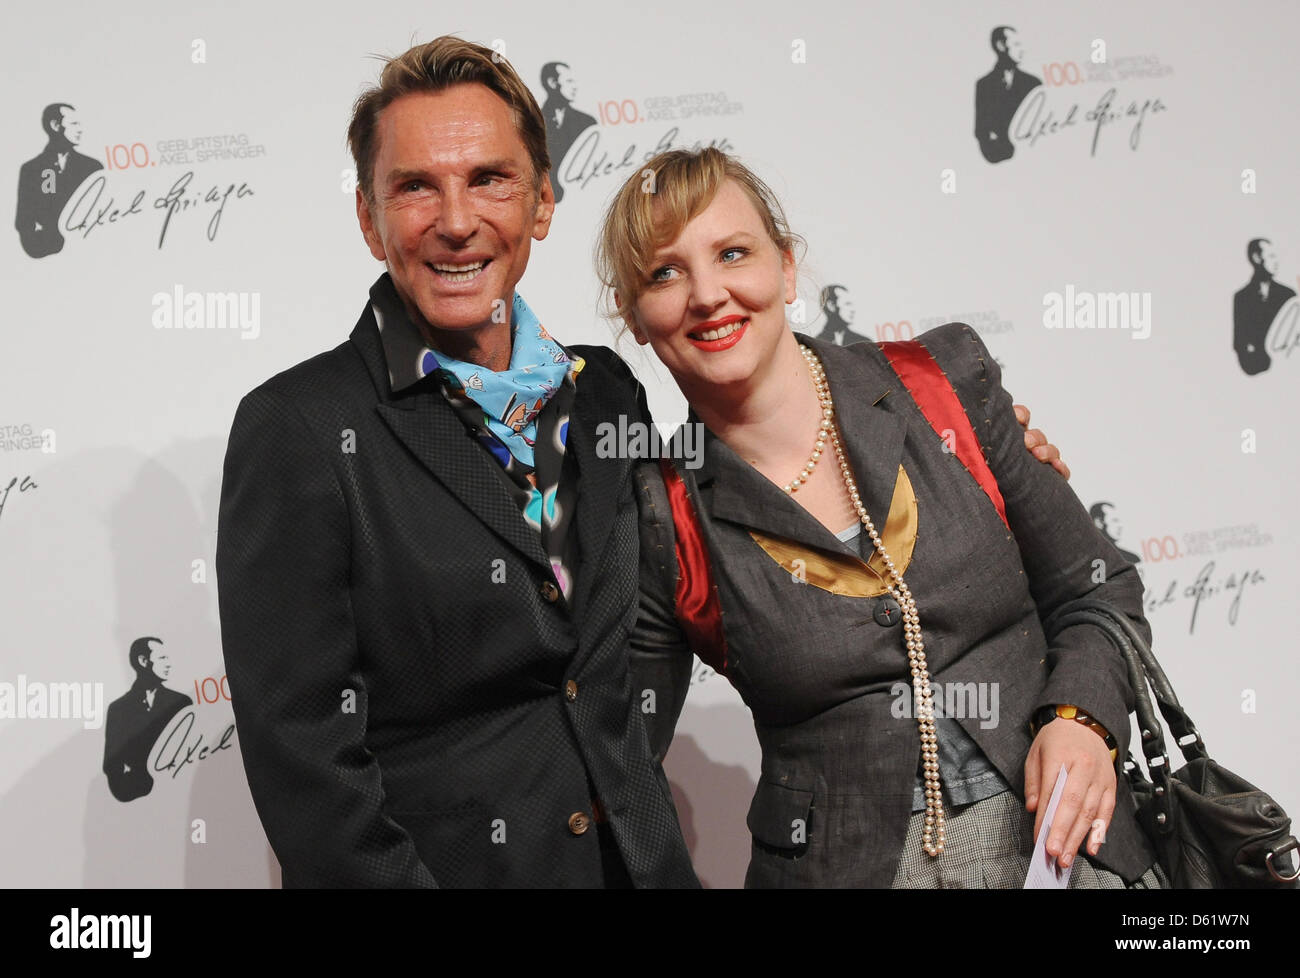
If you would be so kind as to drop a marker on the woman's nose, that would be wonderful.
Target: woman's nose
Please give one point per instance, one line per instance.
(708, 291)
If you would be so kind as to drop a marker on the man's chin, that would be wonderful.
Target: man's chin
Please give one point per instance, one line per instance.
(455, 317)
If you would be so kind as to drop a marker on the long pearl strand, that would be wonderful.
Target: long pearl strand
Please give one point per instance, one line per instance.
(923, 696)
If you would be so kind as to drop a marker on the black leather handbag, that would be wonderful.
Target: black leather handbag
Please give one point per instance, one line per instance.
(1211, 828)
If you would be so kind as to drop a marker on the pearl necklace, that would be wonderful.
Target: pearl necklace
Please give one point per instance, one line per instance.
(923, 696)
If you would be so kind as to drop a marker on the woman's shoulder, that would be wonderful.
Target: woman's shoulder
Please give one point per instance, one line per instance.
(958, 347)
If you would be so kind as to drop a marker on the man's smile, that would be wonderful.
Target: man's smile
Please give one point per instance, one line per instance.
(457, 274)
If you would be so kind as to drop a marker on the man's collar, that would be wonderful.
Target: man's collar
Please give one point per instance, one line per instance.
(403, 345)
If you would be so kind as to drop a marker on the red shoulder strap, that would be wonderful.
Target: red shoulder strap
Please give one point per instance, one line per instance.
(699, 611)
(930, 388)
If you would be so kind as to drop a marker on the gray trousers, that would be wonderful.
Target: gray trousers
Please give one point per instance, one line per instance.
(988, 845)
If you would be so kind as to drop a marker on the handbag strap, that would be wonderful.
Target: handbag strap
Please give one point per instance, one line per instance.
(1153, 742)
(1144, 669)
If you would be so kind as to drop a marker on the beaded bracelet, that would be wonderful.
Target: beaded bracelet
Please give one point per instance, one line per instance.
(1046, 714)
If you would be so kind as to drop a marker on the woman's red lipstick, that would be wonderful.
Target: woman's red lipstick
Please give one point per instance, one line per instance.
(724, 342)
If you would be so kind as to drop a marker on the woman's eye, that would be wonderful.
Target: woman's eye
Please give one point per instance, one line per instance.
(661, 274)
(738, 252)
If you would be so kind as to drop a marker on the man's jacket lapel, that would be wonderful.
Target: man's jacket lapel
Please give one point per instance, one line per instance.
(426, 424)
(599, 479)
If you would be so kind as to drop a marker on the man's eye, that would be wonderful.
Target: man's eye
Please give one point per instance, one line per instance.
(488, 178)
(412, 185)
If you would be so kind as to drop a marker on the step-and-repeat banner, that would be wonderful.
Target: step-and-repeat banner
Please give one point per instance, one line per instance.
(1107, 192)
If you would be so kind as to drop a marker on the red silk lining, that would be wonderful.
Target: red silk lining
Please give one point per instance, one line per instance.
(934, 395)
(698, 609)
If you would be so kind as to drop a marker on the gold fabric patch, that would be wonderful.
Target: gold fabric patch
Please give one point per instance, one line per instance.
(851, 576)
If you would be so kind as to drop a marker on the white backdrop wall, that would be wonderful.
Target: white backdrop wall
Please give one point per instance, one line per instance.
(862, 117)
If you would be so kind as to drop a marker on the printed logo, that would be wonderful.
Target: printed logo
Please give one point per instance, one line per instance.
(1104, 516)
(46, 182)
(62, 191)
(839, 321)
(577, 141)
(1015, 108)
(564, 122)
(1264, 312)
(1206, 590)
(838, 312)
(999, 93)
(136, 719)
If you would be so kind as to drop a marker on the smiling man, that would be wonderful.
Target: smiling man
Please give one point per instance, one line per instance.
(427, 573)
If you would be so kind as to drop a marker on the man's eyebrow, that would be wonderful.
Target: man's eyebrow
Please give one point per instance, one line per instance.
(504, 165)
(402, 174)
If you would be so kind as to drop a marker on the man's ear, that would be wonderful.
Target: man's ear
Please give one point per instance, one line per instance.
(545, 208)
(368, 231)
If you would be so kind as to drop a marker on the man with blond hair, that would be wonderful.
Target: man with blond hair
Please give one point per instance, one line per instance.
(425, 570)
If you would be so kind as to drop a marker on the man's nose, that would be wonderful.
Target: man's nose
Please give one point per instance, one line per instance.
(456, 218)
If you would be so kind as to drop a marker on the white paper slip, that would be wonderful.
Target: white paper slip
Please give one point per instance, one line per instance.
(1044, 873)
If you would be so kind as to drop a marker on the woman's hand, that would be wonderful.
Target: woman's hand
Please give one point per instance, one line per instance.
(1089, 793)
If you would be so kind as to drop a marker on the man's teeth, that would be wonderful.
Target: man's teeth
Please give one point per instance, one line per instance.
(459, 273)
(717, 334)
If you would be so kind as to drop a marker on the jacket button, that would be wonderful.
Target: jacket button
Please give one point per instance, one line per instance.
(570, 691)
(550, 592)
(887, 611)
(579, 823)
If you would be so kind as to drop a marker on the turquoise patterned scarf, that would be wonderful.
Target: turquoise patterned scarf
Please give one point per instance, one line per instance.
(512, 398)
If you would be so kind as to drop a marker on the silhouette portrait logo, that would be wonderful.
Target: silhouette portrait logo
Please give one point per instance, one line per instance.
(47, 181)
(138, 718)
(1106, 519)
(999, 93)
(564, 123)
(839, 312)
(1264, 311)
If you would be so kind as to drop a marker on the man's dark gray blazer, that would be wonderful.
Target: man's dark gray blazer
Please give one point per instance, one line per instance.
(416, 703)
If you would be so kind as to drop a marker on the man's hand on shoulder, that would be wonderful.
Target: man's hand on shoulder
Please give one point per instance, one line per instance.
(1038, 445)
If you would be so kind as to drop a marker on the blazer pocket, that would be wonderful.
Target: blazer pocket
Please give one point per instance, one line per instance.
(780, 818)
(456, 844)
